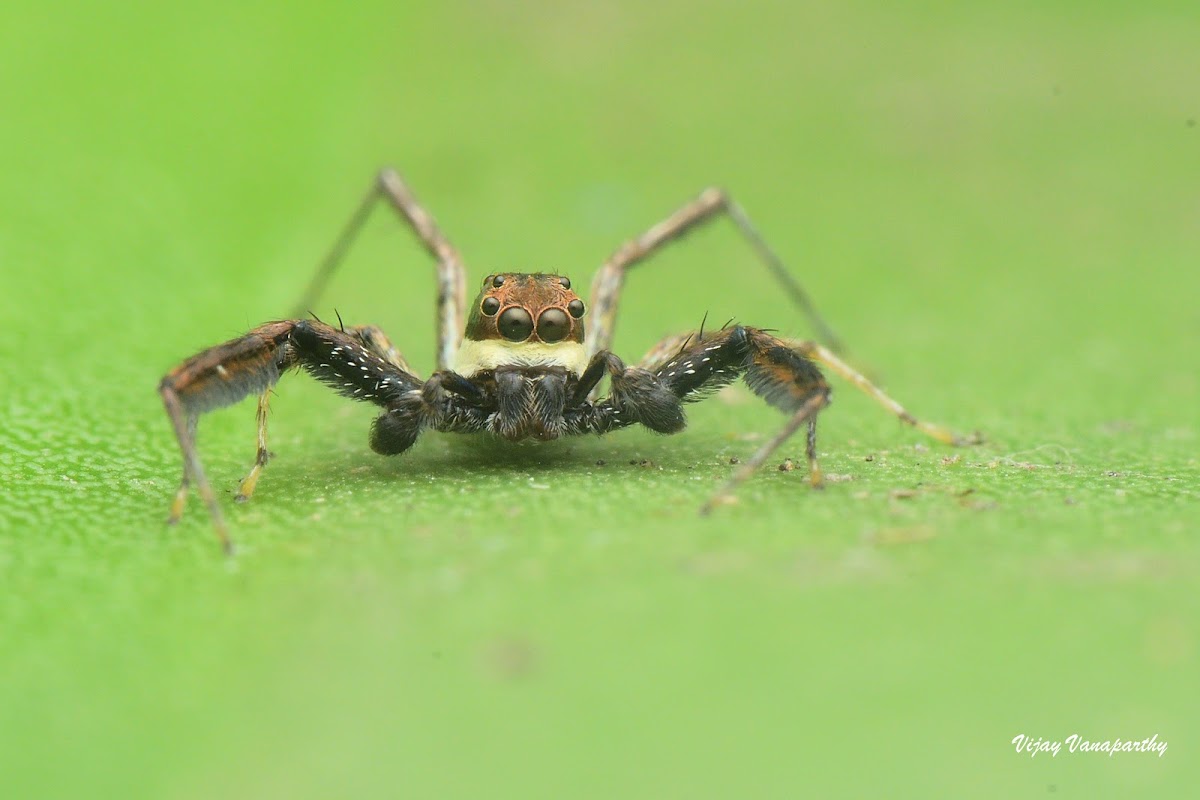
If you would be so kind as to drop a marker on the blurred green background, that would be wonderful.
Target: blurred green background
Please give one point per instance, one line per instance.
(996, 204)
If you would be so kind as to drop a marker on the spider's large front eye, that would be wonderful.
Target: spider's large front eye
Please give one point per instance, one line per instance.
(553, 325)
(515, 324)
(576, 308)
(490, 306)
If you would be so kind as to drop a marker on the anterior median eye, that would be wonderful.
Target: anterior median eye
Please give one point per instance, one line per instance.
(553, 325)
(516, 324)
(576, 308)
(490, 306)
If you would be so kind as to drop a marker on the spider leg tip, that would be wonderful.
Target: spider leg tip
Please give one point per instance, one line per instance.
(719, 499)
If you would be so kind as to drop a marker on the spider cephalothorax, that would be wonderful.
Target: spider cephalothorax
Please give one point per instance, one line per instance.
(518, 318)
(522, 365)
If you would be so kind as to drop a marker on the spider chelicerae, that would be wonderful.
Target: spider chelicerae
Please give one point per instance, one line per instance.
(523, 365)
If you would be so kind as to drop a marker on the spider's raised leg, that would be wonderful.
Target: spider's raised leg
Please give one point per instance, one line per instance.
(451, 276)
(374, 339)
(782, 372)
(688, 368)
(606, 289)
(675, 356)
(695, 365)
(252, 364)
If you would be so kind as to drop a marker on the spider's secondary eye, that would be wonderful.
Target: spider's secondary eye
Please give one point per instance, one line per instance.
(576, 308)
(498, 281)
(490, 306)
(516, 324)
(564, 282)
(553, 325)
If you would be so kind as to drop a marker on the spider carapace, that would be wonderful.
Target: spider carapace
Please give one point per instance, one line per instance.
(522, 364)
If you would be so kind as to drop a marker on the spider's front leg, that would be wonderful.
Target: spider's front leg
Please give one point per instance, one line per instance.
(370, 337)
(359, 363)
(783, 372)
(694, 365)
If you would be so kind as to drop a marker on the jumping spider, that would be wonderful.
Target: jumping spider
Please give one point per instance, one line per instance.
(523, 366)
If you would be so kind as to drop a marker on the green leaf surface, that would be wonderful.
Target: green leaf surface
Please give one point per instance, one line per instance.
(995, 204)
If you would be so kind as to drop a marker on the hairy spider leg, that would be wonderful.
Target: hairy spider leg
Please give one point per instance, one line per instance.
(782, 371)
(374, 339)
(696, 350)
(251, 364)
(693, 366)
(687, 368)
(712, 202)
(451, 274)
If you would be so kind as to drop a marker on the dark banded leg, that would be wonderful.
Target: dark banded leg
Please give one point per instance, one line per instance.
(374, 339)
(694, 366)
(252, 364)
(779, 374)
(636, 396)
(606, 289)
(783, 372)
(451, 275)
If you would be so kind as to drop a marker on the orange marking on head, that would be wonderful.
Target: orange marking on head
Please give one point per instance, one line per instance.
(521, 307)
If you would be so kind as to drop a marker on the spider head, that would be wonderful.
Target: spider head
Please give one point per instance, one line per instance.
(526, 308)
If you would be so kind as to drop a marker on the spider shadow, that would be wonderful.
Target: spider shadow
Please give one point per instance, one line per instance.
(460, 453)
(450, 457)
